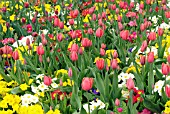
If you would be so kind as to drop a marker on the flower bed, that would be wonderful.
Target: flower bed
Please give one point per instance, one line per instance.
(93, 56)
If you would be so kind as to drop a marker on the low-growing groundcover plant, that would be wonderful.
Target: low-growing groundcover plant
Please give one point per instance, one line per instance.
(84, 56)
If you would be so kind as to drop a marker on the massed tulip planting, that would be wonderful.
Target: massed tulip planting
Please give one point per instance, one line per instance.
(84, 56)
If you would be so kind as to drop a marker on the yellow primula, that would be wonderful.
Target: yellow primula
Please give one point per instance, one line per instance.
(87, 18)
(4, 28)
(47, 7)
(23, 87)
(58, 8)
(12, 17)
(18, 6)
(53, 112)
(61, 71)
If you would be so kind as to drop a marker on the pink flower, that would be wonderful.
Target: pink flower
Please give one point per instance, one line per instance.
(167, 91)
(142, 60)
(29, 28)
(73, 56)
(114, 64)
(15, 55)
(87, 83)
(99, 32)
(132, 23)
(74, 47)
(144, 46)
(102, 52)
(100, 64)
(160, 31)
(117, 102)
(150, 57)
(167, 14)
(40, 50)
(168, 59)
(60, 37)
(56, 22)
(70, 72)
(71, 21)
(152, 36)
(130, 83)
(47, 80)
(165, 69)
(124, 34)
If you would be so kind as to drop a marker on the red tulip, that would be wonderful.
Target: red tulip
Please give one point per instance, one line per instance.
(124, 34)
(160, 31)
(23, 20)
(114, 64)
(26, 4)
(130, 83)
(167, 91)
(74, 13)
(99, 32)
(60, 37)
(47, 80)
(100, 63)
(71, 21)
(152, 36)
(56, 22)
(150, 57)
(15, 55)
(40, 50)
(73, 56)
(165, 69)
(144, 46)
(87, 83)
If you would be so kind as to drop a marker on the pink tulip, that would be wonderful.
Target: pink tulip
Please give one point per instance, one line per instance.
(87, 83)
(102, 52)
(103, 45)
(100, 64)
(165, 69)
(90, 31)
(91, 10)
(94, 17)
(61, 25)
(60, 37)
(130, 83)
(167, 14)
(120, 109)
(150, 57)
(168, 59)
(152, 36)
(103, 15)
(113, 6)
(40, 58)
(160, 31)
(141, 5)
(15, 55)
(74, 47)
(80, 50)
(70, 72)
(144, 46)
(117, 102)
(73, 56)
(167, 91)
(40, 50)
(148, 2)
(71, 21)
(142, 27)
(86, 42)
(120, 25)
(142, 60)
(115, 54)
(114, 64)
(56, 22)
(99, 32)
(124, 34)
(74, 13)
(26, 4)
(47, 80)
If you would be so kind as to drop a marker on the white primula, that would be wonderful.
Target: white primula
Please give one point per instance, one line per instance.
(125, 94)
(22, 42)
(45, 31)
(40, 76)
(124, 76)
(158, 87)
(137, 7)
(54, 85)
(154, 19)
(28, 99)
(34, 89)
(42, 87)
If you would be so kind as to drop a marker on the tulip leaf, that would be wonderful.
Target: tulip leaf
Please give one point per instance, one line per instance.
(16, 90)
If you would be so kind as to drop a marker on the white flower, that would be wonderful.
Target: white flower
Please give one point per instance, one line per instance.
(85, 106)
(22, 42)
(38, 81)
(45, 31)
(101, 104)
(125, 94)
(28, 99)
(34, 89)
(158, 85)
(154, 19)
(54, 79)
(35, 99)
(40, 76)
(25, 102)
(42, 87)
(137, 7)
(54, 85)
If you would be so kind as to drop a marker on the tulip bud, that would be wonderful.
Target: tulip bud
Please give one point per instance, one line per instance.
(165, 69)
(120, 25)
(100, 64)
(81, 50)
(150, 57)
(120, 109)
(73, 56)
(94, 17)
(91, 10)
(124, 34)
(74, 47)
(40, 50)
(47, 80)
(90, 31)
(34, 34)
(74, 13)
(103, 15)
(113, 6)
(56, 22)
(148, 2)
(130, 83)
(117, 10)
(144, 46)
(87, 83)
(152, 36)
(117, 102)
(142, 27)
(61, 25)
(26, 4)
(167, 91)
(142, 60)
(60, 37)
(102, 52)
(99, 33)
(115, 54)
(70, 72)
(15, 55)
(27, 41)
(114, 64)
(160, 31)
(103, 45)
(23, 20)
(71, 21)
(40, 59)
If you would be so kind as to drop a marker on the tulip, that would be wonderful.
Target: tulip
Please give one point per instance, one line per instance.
(115, 54)
(121, 4)
(168, 59)
(160, 31)
(99, 32)
(56, 22)
(7, 49)
(152, 36)
(71, 21)
(103, 15)
(73, 35)
(34, 19)
(117, 10)
(141, 6)
(86, 42)
(26, 4)
(91, 10)
(150, 57)
(120, 25)
(99, 16)
(130, 83)
(167, 91)
(61, 25)
(117, 102)
(40, 58)
(90, 31)
(100, 63)
(131, 4)
(142, 27)
(114, 64)
(113, 6)
(44, 41)
(167, 14)
(34, 34)
(103, 45)
(119, 18)
(27, 41)
(73, 56)
(47, 80)
(87, 83)
(142, 60)
(60, 37)
(163, 1)
(74, 47)
(102, 52)
(74, 13)
(70, 72)
(23, 20)
(124, 34)
(120, 109)
(144, 46)
(100, 22)
(81, 50)
(148, 2)
(94, 17)
(29, 28)
(40, 50)
(165, 69)
(15, 55)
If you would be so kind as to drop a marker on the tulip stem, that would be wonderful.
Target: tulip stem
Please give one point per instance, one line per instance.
(115, 82)
(150, 79)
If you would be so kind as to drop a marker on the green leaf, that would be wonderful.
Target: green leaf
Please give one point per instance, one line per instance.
(16, 90)
(89, 96)
(95, 111)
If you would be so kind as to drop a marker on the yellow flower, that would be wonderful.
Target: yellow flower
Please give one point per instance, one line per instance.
(1, 77)
(167, 110)
(66, 28)
(69, 82)
(132, 68)
(109, 53)
(62, 71)
(42, 94)
(37, 8)
(87, 18)
(167, 103)
(18, 6)
(57, 111)
(47, 7)
(30, 81)
(4, 28)
(12, 17)
(58, 8)
(11, 29)
(50, 112)
(65, 84)
(24, 87)
(3, 104)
